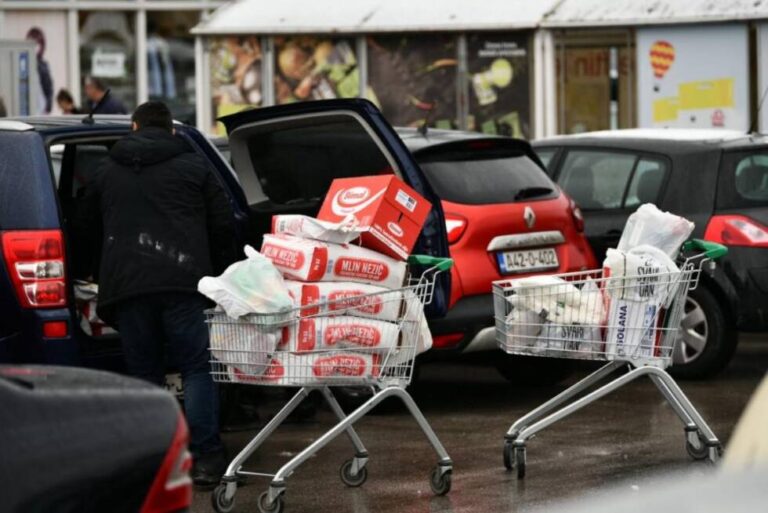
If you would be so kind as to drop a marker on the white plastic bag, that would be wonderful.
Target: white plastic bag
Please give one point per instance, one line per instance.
(310, 228)
(644, 273)
(249, 286)
(649, 225)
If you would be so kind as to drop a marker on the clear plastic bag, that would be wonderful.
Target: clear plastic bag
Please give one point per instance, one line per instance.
(649, 225)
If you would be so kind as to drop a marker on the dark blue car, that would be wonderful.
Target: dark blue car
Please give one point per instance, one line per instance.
(286, 158)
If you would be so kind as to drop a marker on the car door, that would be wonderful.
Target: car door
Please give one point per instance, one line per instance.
(609, 184)
(287, 156)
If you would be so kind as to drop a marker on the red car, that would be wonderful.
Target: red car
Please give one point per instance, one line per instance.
(505, 218)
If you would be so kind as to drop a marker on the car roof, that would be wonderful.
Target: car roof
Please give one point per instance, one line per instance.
(660, 140)
(416, 140)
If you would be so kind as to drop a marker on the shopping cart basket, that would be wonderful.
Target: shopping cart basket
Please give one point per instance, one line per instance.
(350, 355)
(632, 322)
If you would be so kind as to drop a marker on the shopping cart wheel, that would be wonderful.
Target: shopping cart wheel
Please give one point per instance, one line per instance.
(440, 481)
(266, 507)
(696, 445)
(219, 500)
(520, 461)
(348, 478)
(509, 462)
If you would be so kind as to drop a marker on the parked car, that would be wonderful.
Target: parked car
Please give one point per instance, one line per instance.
(77, 440)
(286, 158)
(716, 178)
(504, 218)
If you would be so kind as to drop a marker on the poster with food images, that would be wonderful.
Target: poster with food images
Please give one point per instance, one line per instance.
(693, 76)
(413, 78)
(235, 75)
(499, 89)
(315, 68)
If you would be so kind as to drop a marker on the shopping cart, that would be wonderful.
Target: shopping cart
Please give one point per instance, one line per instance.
(632, 322)
(244, 352)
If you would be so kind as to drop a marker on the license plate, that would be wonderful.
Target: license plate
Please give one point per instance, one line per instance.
(527, 260)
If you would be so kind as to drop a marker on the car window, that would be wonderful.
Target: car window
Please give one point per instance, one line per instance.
(646, 182)
(496, 177)
(296, 160)
(744, 182)
(546, 155)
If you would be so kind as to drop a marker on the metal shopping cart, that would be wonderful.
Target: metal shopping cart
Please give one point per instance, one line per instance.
(631, 322)
(356, 350)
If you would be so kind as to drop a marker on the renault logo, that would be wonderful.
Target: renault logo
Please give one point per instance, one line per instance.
(529, 216)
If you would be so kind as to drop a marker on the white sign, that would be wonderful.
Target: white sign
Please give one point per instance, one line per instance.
(762, 74)
(108, 64)
(693, 76)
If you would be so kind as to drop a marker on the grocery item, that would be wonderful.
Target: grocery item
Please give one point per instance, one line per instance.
(86, 299)
(246, 346)
(310, 261)
(306, 227)
(338, 298)
(650, 226)
(252, 285)
(390, 213)
(343, 332)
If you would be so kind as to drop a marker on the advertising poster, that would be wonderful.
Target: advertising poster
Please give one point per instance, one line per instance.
(693, 77)
(315, 68)
(235, 75)
(499, 91)
(762, 74)
(48, 30)
(413, 79)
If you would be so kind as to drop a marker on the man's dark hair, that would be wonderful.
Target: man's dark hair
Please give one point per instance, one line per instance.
(153, 114)
(65, 96)
(96, 82)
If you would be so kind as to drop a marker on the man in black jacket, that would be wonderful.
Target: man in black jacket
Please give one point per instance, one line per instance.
(166, 223)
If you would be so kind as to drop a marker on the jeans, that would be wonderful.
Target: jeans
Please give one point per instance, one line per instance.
(169, 328)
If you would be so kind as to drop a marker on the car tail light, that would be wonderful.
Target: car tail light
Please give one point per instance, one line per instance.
(455, 225)
(55, 329)
(736, 230)
(578, 218)
(35, 262)
(172, 488)
(449, 340)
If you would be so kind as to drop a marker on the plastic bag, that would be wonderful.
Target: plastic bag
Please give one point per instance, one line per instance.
(249, 286)
(644, 273)
(310, 228)
(649, 225)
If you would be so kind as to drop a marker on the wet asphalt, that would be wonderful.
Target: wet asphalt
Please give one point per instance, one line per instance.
(626, 437)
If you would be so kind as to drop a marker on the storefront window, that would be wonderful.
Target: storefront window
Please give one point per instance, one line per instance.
(315, 68)
(413, 79)
(108, 54)
(499, 91)
(171, 61)
(235, 75)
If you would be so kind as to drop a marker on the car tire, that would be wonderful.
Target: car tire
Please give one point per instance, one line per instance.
(704, 321)
(532, 370)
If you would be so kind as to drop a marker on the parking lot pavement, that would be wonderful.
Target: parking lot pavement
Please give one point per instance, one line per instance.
(627, 436)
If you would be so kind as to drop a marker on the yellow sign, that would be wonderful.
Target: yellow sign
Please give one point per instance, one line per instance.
(707, 94)
(665, 109)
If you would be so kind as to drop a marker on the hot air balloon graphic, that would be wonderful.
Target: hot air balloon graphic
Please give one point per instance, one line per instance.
(662, 55)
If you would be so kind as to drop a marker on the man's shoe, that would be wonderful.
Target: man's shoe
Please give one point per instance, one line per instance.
(208, 469)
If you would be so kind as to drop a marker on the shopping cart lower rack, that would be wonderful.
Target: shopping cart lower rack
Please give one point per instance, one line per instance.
(348, 348)
(631, 322)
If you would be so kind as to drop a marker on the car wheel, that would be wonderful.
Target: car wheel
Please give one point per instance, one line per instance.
(532, 370)
(706, 340)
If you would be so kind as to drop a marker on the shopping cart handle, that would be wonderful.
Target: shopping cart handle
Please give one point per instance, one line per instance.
(441, 263)
(712, 250)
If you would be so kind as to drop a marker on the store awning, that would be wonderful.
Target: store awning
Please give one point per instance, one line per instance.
(367, 16)
(596, 13)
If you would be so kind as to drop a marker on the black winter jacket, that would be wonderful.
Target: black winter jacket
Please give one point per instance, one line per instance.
(166, 221)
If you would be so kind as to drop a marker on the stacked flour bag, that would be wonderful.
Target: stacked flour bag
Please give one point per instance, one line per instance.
(349, 302)
(252, 301)
(552, 317)
(641, 281)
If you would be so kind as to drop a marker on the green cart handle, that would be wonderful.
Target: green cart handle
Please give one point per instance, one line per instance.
(441, 263)
(712, 250)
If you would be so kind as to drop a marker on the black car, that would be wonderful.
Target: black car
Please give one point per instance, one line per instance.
(75, 440)
(716, 178)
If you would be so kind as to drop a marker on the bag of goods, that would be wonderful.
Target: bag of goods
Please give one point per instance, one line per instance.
(650, 226)
(311, 260)
(249, 286)
(307, 227)
(343, 332)
(414, 325)
(287, 369)
(243, 345)
(345, 298)
(641, 284)
(86, 299)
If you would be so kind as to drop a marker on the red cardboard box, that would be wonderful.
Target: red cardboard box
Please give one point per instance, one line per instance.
(390, 213)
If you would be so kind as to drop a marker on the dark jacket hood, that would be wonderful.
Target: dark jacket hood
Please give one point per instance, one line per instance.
(146, 147)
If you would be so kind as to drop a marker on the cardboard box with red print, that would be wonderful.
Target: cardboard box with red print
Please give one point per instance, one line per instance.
(390, 214)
